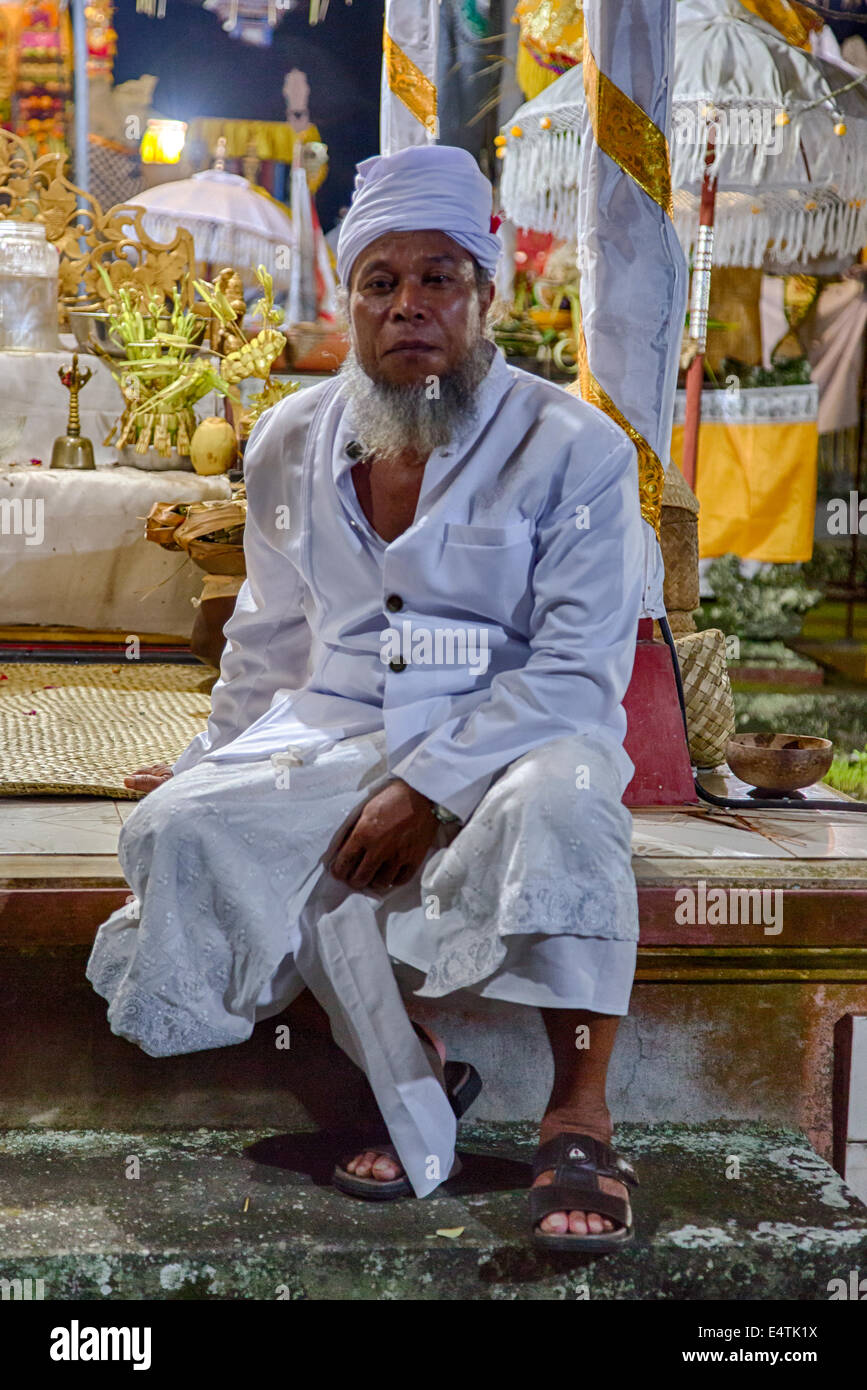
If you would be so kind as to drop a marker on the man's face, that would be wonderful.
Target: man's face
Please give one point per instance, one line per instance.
(414, 307)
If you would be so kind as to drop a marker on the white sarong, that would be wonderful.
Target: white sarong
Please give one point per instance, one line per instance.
(234, 912)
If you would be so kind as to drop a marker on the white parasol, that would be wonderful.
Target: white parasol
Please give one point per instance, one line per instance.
(789, 144)
(230, 223)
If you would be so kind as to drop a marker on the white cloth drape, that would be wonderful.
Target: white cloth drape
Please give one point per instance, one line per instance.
(633, 272)
(79, 557)
(413, 26)
(834, 334)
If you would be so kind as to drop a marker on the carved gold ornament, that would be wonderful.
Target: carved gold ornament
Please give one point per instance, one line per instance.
(34, 188)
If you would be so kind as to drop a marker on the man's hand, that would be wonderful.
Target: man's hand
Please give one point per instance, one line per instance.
(147, 779)
(388, 840)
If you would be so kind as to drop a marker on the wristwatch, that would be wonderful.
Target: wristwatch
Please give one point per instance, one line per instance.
(444, 816)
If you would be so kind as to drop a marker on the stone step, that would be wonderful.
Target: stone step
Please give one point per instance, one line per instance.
(726, 1211)
(699, 1044)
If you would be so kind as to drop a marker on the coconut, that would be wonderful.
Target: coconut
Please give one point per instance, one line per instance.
(213, 448)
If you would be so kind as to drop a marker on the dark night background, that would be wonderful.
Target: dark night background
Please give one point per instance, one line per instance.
(204, 72)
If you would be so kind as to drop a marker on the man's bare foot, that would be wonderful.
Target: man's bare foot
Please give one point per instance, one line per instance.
(372, 1163)
(578, 1223)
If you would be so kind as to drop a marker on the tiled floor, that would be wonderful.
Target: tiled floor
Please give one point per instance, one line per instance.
(86, 826)
(58, 825)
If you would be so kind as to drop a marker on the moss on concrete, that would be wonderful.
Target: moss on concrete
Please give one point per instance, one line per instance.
(244, 1214)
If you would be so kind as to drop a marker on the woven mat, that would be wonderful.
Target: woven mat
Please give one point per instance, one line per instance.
(82, 729)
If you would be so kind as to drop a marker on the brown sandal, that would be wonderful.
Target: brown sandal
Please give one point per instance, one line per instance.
(579, 1161)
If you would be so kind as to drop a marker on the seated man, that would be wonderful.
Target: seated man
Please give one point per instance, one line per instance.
(415, 750)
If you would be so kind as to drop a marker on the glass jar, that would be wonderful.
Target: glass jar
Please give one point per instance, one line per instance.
(29, 267)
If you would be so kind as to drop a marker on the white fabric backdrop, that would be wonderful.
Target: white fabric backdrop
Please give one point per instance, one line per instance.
(29, 386)
(87, 564)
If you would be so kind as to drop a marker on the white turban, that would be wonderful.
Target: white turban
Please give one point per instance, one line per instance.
(423, 188)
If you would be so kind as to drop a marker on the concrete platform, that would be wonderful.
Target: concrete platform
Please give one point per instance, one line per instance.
(251, 1215)
(726, 1020)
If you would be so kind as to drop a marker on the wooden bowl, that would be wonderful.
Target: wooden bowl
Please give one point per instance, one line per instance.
(776, 764)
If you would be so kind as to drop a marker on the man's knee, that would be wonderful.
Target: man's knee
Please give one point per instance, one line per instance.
(571, 785)
(172, 804)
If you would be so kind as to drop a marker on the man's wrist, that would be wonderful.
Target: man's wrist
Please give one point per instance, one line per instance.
(442, 813)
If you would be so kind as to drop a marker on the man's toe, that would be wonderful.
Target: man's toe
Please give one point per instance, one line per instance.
(556, 1223)
(362, 1165)
(385, 1169)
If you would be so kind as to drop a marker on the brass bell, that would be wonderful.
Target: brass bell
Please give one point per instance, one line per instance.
(71, 451)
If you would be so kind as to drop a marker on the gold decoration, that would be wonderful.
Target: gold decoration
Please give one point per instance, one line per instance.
(555, 26)
(225, 334)
(625, 132)
(651, 474)
(628, 136)
(795, 22)
(409, 84)
(34, 188)
(800, 293)
(551, 41)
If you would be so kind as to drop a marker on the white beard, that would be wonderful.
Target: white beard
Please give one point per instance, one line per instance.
(393, 419)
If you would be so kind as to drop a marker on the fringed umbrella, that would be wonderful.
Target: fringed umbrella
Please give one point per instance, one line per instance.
(230, 223)
(780, 133)
(789, 187)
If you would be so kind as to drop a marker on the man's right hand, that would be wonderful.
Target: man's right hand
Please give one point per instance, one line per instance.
(147, 779)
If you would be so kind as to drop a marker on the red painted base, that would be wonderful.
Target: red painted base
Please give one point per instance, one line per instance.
(655, 739)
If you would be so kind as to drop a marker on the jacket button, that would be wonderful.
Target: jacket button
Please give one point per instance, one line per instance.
(394, 602)
(398, 665)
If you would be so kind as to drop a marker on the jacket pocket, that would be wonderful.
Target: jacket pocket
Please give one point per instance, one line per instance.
(487, 535)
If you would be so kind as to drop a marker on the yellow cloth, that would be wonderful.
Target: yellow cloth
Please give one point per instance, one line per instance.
(795, 22)
(756, 486)
(270, 140)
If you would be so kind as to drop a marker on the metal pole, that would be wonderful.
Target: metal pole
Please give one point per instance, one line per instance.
(81, 94)
(860, 435)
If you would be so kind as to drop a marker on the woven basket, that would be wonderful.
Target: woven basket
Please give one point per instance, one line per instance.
(710, 711)
(679, 541)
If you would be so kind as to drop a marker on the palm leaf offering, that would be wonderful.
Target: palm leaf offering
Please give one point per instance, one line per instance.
(165, 372)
